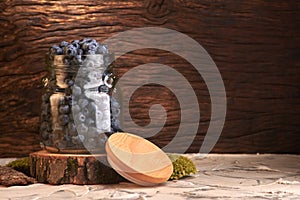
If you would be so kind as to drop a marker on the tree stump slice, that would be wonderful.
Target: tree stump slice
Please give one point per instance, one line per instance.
(77, 169)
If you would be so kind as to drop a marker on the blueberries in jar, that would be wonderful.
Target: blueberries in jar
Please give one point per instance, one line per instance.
(64, 109)
(76, 54)
(63, 120)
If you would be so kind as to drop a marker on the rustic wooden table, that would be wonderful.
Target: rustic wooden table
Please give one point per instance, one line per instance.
(220, 176)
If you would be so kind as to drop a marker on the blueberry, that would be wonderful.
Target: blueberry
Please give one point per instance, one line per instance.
(92, 132)
(67, 61)
(115, 112)
(46, 108)
(46, 98)
(63, 44)
(67, 139)
(76, 44)
(102, 138)
(76, 109)
(70, 50)
(86, 111)
(68, 98)
(83, 103)
(64, 109)
(45, 126)
(92, 106)
(81, 81)
(89, 46)
(44, 116)
(72, 129)
(76, 90)
(102, 49)
(63, 120)
(81, 137)
(69, 82)
(45, 135)
(82, 129)
(80, 117)
(79, 52)
(91, 143)
(89, 122)
(76, 139)
(77, 60)
(103, 88)
(90, 52)
(55, 50)
(84, 40)
(114, 102)
(72, 102)
(62, 101)
(115, 125)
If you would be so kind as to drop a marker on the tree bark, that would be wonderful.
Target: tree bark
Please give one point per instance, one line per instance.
(70, 168)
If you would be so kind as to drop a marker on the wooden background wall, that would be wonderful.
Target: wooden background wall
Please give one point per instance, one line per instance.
(255, 44)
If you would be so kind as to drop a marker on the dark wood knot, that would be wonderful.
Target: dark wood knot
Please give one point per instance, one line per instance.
(158, 10)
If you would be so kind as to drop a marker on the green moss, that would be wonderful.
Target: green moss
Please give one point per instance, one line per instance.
(21, 165)
(182, 166)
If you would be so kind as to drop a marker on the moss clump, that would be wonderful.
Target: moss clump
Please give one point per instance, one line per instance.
(21, 165)
(182, 166)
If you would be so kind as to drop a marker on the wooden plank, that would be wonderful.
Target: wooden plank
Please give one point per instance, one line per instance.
(255, 45)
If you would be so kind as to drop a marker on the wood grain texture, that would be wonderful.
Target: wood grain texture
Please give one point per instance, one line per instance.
(76, 169)
(138, 160)
(255, 45)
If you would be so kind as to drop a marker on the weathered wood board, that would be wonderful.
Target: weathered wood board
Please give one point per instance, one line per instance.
(255, 45)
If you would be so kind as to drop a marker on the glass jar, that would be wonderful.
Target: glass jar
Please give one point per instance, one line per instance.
(76, 112)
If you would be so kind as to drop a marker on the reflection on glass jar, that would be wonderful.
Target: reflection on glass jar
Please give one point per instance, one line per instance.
(77, 109)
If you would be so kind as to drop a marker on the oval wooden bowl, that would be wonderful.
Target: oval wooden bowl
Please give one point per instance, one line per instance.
(137, 159)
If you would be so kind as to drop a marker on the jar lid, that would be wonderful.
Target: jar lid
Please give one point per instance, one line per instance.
(137, 159)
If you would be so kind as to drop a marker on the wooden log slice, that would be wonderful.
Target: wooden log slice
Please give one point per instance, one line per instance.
(78, 169)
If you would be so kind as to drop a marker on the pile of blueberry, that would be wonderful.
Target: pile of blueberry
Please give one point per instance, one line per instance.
(64, 98)
(76, 50)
